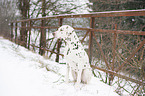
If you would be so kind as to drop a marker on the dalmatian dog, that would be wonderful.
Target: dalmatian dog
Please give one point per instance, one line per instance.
(76, 58)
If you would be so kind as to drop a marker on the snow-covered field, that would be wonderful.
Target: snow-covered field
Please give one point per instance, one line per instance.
(23, 73)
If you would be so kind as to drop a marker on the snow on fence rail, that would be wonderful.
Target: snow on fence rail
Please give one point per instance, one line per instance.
(114, 48)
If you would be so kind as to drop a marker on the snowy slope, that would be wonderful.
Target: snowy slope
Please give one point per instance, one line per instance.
(23, 73)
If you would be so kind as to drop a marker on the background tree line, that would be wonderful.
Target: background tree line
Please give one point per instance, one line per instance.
(7, 13)
(131, 23)
(12, 9)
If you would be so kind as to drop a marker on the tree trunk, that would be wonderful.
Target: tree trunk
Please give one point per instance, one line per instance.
(24, 6)
(43, 31)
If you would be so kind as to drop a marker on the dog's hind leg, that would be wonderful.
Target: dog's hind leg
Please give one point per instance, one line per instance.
(86, 75)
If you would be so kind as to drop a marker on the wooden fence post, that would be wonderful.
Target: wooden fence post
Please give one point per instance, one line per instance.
(30, 25)
(12, 31)
(92, 25)
(59, 42)
(23, 34)
(114, 55)
(42, 38)
(16, 25)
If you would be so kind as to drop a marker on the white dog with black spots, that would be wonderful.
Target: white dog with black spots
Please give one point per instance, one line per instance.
(76, 57)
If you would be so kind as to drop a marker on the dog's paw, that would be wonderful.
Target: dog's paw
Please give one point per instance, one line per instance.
(67, 81)
(78, 86)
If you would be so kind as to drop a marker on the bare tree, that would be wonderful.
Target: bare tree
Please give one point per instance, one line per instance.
(54, 7)
(43, 31)
(7, 14)
(24, 6)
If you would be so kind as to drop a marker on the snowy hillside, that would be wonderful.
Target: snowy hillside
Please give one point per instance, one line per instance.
(23, 73)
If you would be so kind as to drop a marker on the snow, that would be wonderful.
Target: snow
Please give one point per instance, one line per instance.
(23, 73)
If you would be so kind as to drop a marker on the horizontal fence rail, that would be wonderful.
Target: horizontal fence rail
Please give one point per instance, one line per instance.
(108, 45)
(95, 14)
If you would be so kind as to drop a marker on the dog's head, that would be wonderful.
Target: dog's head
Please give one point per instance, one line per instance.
(63, 32)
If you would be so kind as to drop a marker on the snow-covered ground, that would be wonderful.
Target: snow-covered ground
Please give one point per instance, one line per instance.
(23, 73)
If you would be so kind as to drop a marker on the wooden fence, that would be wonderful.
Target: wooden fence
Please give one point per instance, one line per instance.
(114, 64)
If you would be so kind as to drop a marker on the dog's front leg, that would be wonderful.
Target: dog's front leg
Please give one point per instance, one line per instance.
(67, 72)
(78, 77)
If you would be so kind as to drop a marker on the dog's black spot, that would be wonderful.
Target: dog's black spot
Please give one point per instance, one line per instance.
(77, 64)
(69, 34)
(68, 51)
(68, 39)
(84, 65)
(75, 37)
(78, 54)
(76, 46)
